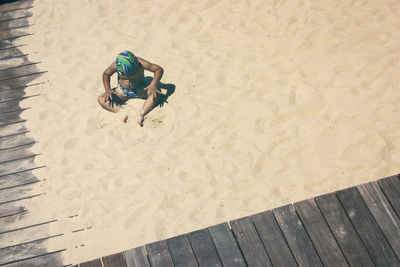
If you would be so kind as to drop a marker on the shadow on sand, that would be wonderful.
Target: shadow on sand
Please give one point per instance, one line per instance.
(166, 86)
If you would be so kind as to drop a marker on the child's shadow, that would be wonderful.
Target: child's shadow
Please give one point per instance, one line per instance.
(167, 86)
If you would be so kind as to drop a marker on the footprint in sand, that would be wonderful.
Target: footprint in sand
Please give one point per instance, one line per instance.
(71, 143)
(187, 22)
(91, 126)
(156, 122)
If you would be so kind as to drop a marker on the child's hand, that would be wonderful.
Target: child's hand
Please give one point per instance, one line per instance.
(152, 91)
(108, 96)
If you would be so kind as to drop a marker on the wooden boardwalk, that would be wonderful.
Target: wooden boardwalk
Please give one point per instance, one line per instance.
(357, 226)
(23, 237)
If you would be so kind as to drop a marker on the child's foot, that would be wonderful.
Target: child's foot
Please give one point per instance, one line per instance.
(140, 119)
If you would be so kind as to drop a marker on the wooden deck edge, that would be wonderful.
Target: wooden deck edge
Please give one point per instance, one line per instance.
(253, 236)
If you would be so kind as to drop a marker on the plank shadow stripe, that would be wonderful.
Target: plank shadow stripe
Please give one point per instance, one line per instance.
(27, 144)
(12, 47)
(25, 75)
(34, 257)
(18, 27)
(32, 241)
(11, 57)
(19, 199)
(10, 135)
(23, 17)
(15, 37)
(15, 213)
(14, 186)
(23, 65)
(31, 169)
(13, 111)
(17, 99)
(15, 9)
(10, 123)
(22, 87)
(21, 158)
(29, 226)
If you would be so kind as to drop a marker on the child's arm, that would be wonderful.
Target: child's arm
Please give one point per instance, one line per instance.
(158, 73)
(106, 80)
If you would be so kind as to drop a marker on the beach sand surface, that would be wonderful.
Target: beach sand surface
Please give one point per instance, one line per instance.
(274, 102)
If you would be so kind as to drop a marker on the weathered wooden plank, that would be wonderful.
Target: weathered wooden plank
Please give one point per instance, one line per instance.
(319, 233)
(23, 87)
(13, 33)
(159, 254)
(115, 260)
(13, 23)
(25, 234)
(249, 242)
(181, 251)
(344, 232)
(15, 5)
(6, 107)
(383, 213)
(15, 14)
(17, 200)
(273, 239)
(25, 250)
(203, 248)
(225, 243)
(13, 61)
(296, 236)
(367, 228)
(20, 81)
(10, 53)
(8, 119)
(22, 221)
(12, 116)
(13, 193)
(136, 257)
(14, 128)
(15, 140)
(50, 259)
(15, 114)
(7, 43)
(12, 94)
(18, 179)
(17, 165)
(11, 209)
(16, 152)
(391, 187)
(11, 73)
(92, 263)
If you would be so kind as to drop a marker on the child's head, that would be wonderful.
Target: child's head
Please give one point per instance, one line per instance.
(127, 63)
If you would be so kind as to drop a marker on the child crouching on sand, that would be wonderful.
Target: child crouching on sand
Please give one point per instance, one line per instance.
(131, 84)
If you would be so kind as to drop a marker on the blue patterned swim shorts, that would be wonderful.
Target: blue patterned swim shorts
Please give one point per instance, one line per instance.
(130, 93)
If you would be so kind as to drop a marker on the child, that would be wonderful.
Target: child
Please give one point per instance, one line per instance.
(131, 84)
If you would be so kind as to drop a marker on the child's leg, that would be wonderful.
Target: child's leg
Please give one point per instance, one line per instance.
(113, 107)
(148, 105)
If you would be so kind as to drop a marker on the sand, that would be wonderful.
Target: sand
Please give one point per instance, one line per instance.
(274, 102)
